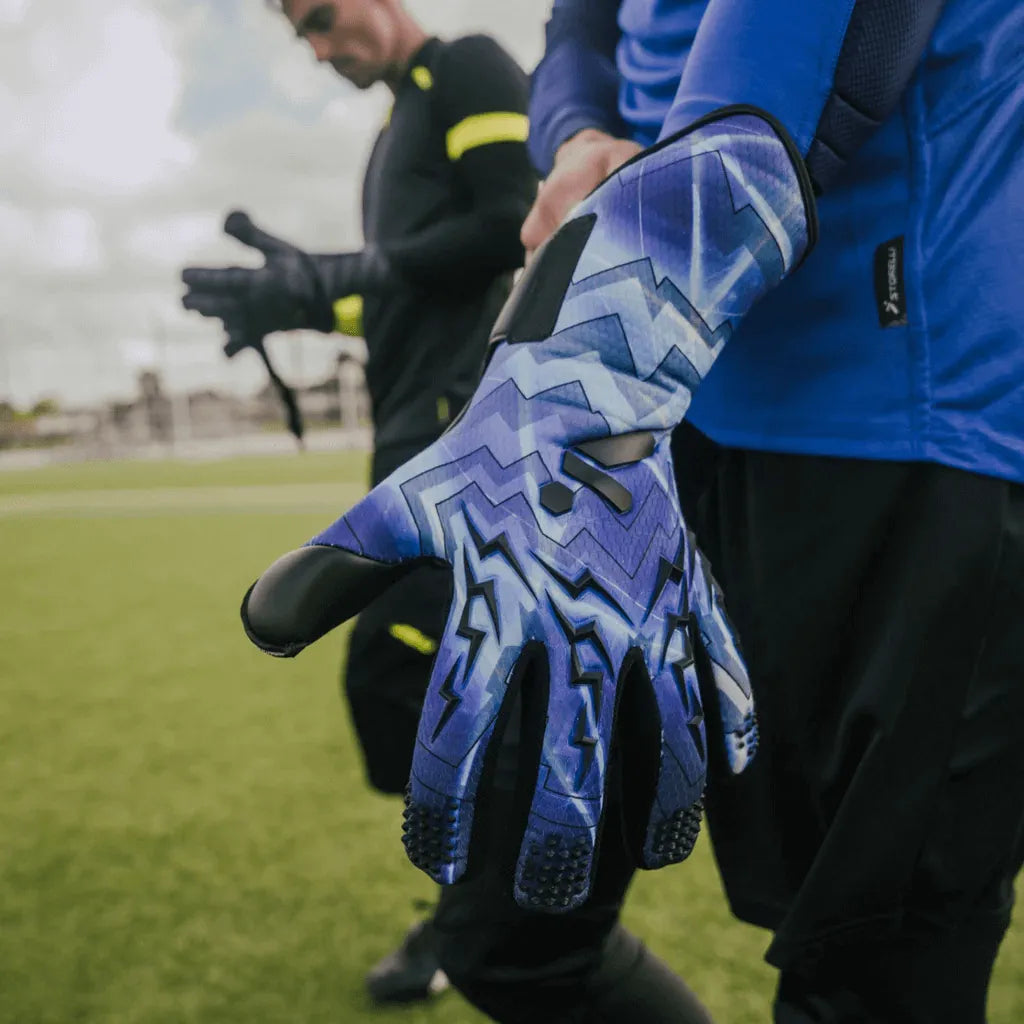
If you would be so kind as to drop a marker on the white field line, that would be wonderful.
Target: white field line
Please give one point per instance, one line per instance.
(259, 498)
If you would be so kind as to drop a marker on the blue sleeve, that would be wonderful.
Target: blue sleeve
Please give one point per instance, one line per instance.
(830, 70)
(576, 84)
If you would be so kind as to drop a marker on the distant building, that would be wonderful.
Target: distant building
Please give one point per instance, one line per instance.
(338, 400)
(212, 414)
(155, 423)
(67, 426)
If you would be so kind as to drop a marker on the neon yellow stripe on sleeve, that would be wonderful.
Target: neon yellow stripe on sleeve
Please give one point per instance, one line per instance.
(485, 129)
(412, 637)
(348, 315)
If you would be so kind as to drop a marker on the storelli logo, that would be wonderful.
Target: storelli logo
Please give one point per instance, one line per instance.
(891, 303)
(889, 286)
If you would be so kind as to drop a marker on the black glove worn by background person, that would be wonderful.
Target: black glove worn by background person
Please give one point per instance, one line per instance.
(292, 290)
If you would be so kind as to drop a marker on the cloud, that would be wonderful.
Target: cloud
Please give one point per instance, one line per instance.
(170, 241)
(63, 239)
(12, 11)
(131, 127)
(96, 99)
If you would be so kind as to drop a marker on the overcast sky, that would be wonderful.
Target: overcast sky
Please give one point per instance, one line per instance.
(129, 128)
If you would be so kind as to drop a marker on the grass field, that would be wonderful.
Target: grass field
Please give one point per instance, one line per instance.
(184, 831)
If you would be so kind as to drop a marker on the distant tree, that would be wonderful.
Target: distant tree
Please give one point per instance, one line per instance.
(45, 407)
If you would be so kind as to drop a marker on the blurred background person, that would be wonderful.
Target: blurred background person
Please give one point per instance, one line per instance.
(446, 190)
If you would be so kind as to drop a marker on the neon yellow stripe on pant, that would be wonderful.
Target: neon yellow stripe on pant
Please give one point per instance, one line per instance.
(412, 637)
(348, 315)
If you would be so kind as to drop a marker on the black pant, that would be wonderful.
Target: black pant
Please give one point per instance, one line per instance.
(878, 832)
(523, 967)
(387, 667)
(386, 671)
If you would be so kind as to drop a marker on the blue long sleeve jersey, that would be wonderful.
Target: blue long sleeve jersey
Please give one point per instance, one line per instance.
(902, 336)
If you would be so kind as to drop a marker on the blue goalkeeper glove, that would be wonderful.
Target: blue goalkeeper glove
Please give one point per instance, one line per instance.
(553, 499)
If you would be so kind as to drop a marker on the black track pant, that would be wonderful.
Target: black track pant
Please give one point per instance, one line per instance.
(523, 967)
(879, 831)
(387, 667)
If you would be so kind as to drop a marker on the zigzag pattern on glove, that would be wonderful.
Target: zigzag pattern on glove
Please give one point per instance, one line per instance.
(553, 499)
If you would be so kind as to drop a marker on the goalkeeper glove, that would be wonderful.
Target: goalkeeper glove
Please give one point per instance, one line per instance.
(292, 290)
(553, 499)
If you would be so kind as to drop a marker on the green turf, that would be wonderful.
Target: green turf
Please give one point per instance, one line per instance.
(307, 467)
(184, 831)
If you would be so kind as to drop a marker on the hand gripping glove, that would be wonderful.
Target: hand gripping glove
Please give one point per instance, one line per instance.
(553, 499)
(292, 290)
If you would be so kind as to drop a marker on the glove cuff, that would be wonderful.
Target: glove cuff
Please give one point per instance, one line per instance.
(657, 267)
(339, 275)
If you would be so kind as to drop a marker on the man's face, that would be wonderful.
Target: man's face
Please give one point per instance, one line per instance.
(356, 37)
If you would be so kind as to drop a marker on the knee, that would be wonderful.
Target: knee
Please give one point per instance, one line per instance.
(471, 970)
(530, 971)
(460, 957)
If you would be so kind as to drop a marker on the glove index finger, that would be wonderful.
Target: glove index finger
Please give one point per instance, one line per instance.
(468, 704)
(218, 280)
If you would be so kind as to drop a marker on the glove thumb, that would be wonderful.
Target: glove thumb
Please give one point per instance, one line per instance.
(238, 224)
(308, 592)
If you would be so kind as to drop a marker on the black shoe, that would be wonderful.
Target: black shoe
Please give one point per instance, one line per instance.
(411, 973)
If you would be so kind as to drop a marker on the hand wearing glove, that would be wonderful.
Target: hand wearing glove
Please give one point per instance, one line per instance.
(553, 499)
(292, 290)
